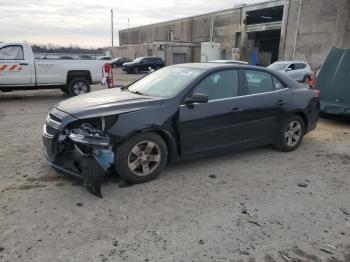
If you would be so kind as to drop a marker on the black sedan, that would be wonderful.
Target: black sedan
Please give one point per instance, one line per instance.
(177, 112)
(119, 61)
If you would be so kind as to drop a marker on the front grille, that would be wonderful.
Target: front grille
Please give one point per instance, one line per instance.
(55, 118)
(53, 122)
(50, 130)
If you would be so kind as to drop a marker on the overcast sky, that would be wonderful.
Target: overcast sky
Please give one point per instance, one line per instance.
(87, 22)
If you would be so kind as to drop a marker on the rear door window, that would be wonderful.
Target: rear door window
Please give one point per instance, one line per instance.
(13, 52)
(258, 82)
(299, 66)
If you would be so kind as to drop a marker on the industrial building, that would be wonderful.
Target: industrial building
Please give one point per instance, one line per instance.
(260, 34)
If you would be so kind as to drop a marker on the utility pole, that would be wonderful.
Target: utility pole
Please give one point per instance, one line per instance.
(112, 26)
(128, 23)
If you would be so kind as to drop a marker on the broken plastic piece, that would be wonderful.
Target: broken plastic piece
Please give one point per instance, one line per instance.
(89, 135)
(104, 157)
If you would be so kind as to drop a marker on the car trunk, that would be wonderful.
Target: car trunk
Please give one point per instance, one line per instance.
(333, 82)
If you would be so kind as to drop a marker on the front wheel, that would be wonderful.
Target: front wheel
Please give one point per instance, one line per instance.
(78, 86)
(141, 158)
(291, 134)
(136, 70)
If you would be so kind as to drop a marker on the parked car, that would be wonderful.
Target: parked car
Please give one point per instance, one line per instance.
(83, 57)
(19, 70)
(174, 113)
(143, 64)
(119, 61)
(297, 70)
(104, 58)
(333, 82)
(229, 62)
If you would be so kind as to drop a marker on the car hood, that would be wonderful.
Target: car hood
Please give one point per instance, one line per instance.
(107, 102)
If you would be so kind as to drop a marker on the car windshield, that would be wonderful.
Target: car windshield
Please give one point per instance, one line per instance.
(166, 82)
(278, 66)
(138, 59)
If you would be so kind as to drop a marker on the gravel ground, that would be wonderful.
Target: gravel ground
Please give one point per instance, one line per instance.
(255, 205)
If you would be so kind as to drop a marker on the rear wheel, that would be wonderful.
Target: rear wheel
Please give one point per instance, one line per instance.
(141, 158)
(291, 134)
(78, 86)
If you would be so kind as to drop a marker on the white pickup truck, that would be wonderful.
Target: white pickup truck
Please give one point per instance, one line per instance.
(19, 70)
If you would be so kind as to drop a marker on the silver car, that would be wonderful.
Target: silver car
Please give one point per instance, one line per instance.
(297, 70)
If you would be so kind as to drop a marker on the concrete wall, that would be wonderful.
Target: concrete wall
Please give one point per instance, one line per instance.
(322, 24)
(189, 30)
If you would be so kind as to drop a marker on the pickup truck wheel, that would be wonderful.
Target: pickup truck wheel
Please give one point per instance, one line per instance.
(136, 70)
(141, 158)
(78, 86)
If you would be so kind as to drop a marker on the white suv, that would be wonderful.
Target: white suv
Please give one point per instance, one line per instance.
(298, 70)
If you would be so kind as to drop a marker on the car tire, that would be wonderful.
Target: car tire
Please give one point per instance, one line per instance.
(78, 86)
(141, 158)
(114, 66)
(136, 70)
(291, 134)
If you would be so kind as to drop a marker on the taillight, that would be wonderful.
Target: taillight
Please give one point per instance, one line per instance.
(316, 92)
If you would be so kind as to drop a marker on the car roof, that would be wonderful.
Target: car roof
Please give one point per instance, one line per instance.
(212, 66)
(290, 61)
(208, 66)
(229, 61)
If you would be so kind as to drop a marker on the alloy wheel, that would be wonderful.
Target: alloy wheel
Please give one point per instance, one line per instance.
(293, 133)
(144, 158)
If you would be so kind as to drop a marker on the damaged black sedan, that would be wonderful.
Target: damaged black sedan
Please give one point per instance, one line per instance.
(177, 112)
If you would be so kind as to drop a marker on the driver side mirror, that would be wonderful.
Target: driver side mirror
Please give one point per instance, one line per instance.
(288, 69)
(196, 98)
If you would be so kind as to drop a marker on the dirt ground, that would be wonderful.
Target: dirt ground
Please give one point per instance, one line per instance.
(255, 205)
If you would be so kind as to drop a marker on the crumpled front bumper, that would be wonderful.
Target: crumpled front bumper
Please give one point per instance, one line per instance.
(91, 168)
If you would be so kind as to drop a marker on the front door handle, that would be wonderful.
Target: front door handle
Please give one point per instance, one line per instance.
(281, 102)
(23, 63)
(237, 110)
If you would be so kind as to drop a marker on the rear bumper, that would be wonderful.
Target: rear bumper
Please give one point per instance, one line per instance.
(335, 109)
(312, 114)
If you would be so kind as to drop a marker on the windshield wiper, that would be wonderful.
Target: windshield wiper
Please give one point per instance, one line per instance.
(137, 92)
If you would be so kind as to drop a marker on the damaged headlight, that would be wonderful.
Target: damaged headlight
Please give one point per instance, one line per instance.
(88, 135)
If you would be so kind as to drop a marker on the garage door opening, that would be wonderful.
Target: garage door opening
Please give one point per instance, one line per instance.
(263, 27)
(265, 46)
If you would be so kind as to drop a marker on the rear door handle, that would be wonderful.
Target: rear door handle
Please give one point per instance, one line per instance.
(23, 63)
(237, 110)
(281, 102)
